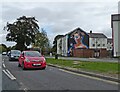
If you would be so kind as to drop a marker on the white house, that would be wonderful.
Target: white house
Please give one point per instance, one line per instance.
(72, 43)
(59, 46)
(109, 44)
(65, 45)
(97, 41)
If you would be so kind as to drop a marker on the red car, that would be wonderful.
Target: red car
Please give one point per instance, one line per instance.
(31, 59)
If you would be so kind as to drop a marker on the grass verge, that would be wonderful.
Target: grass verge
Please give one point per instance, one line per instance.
(102, 67)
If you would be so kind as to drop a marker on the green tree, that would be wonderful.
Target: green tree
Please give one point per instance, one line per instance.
(3, 48)
(22, 31)
(54, 48)
(42, 41)
(9, 48)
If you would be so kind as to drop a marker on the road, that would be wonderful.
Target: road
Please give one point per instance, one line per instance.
(0, 73)
(49, 79)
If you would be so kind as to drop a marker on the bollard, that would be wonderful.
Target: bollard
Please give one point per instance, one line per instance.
(56, 56)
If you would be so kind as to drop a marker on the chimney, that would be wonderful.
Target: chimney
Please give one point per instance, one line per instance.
(90, 31)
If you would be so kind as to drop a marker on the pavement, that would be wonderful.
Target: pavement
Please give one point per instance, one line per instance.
(52, 78)
(114, 60)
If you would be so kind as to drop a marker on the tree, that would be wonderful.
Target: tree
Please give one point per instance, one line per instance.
(9, 48)
(42, 41)
(3, 48)
(54, 48)
(22, 31)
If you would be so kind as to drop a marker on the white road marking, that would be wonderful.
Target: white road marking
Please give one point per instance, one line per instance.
(4, 65)
(90, 77)
(25, 89)
(3, 61)
(9, 75)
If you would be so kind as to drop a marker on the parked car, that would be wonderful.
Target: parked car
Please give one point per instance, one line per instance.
(31, 59)
(4, 53)
(14, 54)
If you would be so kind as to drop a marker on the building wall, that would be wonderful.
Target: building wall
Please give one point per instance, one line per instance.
(119, 7)
(59, 50)
(65, 45)
(116, 38)
(97, 43)
(119, 38)
(89, 53)
(76, 40)
(109, 46)
(119, 29)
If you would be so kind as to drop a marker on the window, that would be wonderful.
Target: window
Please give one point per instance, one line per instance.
(32, 53)
(98, 45)
(93, 45)
(103, 44)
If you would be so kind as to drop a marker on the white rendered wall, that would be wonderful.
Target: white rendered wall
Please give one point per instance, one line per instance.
(116, 38)
(100, 41)
(64, 46)
(59, 51)
(119, 30)
(109, 46)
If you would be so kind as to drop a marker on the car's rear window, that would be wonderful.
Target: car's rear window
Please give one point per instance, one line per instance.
(32, 54)
(16, 52)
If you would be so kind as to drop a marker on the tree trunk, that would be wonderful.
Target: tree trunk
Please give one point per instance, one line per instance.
(20, 47)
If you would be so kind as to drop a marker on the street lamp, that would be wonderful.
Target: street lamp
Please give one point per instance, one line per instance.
(96, 52)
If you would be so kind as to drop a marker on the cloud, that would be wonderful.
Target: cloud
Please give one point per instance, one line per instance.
(61, 18)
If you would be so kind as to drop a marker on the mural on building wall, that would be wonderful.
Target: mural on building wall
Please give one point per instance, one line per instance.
(77, 39)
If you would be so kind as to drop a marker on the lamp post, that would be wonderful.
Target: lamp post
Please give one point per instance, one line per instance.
(96, 48)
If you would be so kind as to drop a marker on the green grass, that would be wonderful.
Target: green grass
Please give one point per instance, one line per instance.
(86, 65)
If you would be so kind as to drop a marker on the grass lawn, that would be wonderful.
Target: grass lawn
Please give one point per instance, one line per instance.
(86, 65)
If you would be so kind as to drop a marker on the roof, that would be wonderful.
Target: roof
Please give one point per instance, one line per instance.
(75, 30)
(96, 35)
(114, 17)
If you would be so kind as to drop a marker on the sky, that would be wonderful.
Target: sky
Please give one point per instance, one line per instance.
(58, 17)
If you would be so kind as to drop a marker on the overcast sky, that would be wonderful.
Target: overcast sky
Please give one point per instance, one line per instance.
(61, 17)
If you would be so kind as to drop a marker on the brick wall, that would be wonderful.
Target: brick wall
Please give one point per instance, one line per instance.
(89, 53)
(103, 53)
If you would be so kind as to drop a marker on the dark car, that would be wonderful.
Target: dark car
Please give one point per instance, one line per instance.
(14, 54)
(4, 53)
(8, 53)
